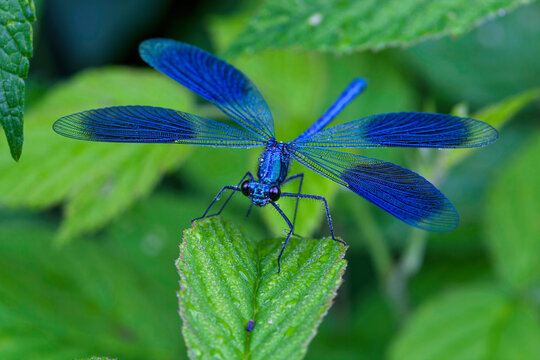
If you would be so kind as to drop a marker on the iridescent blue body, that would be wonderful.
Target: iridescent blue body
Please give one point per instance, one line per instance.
(273, 169)
(399, 191)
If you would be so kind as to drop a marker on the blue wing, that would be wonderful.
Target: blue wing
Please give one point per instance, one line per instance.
(409, 129)
(213, 79)
(399, 191)
(147, 124)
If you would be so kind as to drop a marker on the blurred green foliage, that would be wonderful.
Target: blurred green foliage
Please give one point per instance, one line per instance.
(104, 179)
(478, 322)
(496, 60)
(512, 221)
(114, 296)
(407, 294)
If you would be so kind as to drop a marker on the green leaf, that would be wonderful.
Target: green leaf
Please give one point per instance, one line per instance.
(114, 296)
(513, 211)
(97, 181)
(479, 322)
(519, 337)
(496, 115)
(360, 330)
(16, 18)
(226, 280)
(347, 25)
(499, 114)
(468, 68)
(78, 301)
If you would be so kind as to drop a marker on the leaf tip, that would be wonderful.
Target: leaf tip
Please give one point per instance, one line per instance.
(15, 146)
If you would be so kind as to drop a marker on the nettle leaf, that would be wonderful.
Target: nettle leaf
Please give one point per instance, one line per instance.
(513, 211)
(113, 297)
(16, 18)
(97, 181)
(496, 115)
(480, 322)
(347, 25)
(226, 280)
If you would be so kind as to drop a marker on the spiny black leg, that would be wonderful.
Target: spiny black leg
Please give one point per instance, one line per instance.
(288, 235)
(319, 198)
(248, 175)
(296, 176)
(228, 187)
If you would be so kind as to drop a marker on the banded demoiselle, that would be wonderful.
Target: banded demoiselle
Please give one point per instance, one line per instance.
(399, 191)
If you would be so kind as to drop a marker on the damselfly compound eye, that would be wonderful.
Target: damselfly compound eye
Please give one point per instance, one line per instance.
(246, 189)
(274, 193)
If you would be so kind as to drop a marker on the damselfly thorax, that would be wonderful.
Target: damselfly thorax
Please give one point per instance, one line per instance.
(272, 171)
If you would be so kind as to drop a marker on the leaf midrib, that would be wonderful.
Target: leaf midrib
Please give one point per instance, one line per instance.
(247, 351)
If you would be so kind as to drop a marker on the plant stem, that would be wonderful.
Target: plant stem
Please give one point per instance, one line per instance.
(413, 255)
(373, 238)
(408, 266)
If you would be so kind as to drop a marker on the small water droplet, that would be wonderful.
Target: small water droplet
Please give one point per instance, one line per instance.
(152, 244)
(315, 19)
(107, 187)
(501, 12)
